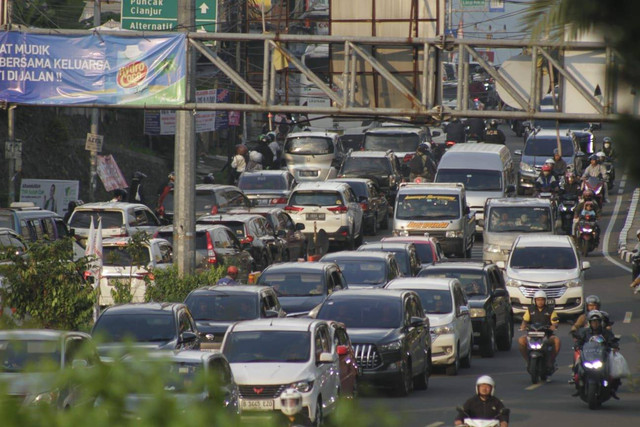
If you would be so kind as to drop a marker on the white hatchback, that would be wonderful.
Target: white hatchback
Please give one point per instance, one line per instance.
(269, 356)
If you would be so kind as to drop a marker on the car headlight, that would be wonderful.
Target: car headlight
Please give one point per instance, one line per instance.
(514, 283)
(576, 283)
(48, 398)
(477, 312)
(391, 346)
(302, 386)
(444, 329)
(453, 234)
(526, 167)
(493, 249)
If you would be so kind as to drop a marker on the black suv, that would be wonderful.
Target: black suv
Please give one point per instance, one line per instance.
(390, 335)
(489, 304)
(406, 255)
(382, 167)
(215, 308)
(365, 269)
(162, 326)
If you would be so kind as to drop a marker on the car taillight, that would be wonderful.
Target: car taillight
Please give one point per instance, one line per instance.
(86, 275)
(211, 253)
(365, 206)
(278, 201)
(338, 209)
(156, 234)
(247, 239)
(450, 143)
(214, 209)
(253, 277)
(148, 275)
(407, 157)
(289, 208)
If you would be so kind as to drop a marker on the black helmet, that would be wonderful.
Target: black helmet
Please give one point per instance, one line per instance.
(493, 124)
(209, 179)
(139, 175)
(594, 315)
(593, 299)
(120, 192)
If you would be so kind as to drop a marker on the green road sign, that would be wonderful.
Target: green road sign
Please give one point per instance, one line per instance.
(162, 15)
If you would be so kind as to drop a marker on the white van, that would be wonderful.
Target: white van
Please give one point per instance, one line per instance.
(486, 170)
(312, 155)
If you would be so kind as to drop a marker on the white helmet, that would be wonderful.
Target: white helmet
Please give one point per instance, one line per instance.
(485, 379)
(550, 162)
(600, 154)
(290, 402)
(540, 294)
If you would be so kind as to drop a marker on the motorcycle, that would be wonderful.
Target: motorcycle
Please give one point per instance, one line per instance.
(635, 266)
(477, 422)
(539, 349)
(566, 208)
(592, 379)
(611, 172)
(596, 185)
(587, 235)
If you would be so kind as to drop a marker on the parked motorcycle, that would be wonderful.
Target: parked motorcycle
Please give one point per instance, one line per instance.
(593, 382)
(477, 422)
(596, 185)
(587, 235)
(539, 350)
(566, 209)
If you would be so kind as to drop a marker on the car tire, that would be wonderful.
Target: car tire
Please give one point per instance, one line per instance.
(319, 418)
(504, 340)
(466, 362)
(453, 369)
(360, 238)
(488, 345)
(373, 230)
(421, 382)
(351, 243)
(385, 222)
(405, 381)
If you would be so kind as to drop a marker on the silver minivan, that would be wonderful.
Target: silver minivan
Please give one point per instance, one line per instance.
(312, 155)
(486, 170)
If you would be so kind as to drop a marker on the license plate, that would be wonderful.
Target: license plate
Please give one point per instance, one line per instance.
(262, 201)
(256, 405)
(315, 217)
(308, 173)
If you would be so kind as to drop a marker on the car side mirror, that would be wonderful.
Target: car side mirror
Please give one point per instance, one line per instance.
(518, 152)
(501, 265)
(464, 310)
(187, 337)
(299, 226)
(342, 350)
(586, 265)
(325, 358)
(500, 293)
(270, 314)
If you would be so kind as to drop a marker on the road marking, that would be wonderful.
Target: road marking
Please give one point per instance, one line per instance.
(607, 235)
(534, 386)
(436, 424)
(627, 317)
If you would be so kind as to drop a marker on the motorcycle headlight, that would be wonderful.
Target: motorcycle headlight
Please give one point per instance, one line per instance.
(391, 346)
(596, 364)
(514, 283)
(563, 208)
(444, 329)
(535, 345)
(587, 230)
(303, 386)
(574, 283)
(47, 398)
(493, 249)
(477, 312)
(453, 234)
(526, 167)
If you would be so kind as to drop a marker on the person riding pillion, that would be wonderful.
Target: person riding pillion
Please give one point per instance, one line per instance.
(421, 164)
(541, 313)
(484, 405)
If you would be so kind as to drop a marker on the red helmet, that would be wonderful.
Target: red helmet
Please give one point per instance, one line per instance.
(546, 167)
(232, 270)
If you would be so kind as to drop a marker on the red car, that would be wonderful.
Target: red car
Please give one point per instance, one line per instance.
(428, 248)
(349, 369)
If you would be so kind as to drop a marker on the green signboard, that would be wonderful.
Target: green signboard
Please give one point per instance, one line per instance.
(472, 3)
(162, 15)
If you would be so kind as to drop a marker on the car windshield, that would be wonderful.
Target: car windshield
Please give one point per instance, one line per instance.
(472, 282)
(268, 346)
(435, 301)
(143, 327)
(262, 182)
(363, 165)
(427, 206)
(473, 179)
(363, 272)
(398, 142)
(110, 219)
(201, 238)
(316, 198)
(543, 147)
(520, 219)
(29, 355)
(123, 256)
(309, 145)
(363, 312)
(223, 307)
(294, 284)
(538, 257)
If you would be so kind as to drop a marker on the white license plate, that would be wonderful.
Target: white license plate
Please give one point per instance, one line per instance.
(308, 173)
(315, 217)
(256, 405)
(263, 201)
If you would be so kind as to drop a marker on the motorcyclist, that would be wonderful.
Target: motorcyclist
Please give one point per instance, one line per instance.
(266, 152)
(570, 186)
(484, 405)
(546, 182)
(455, 131)
(476, 127)
(587, 196)
(560, 166)
(592, 302)
(421, 164)
(493, 135)
(607, 148)
(597, 170)
(541, 313)
(589, 214)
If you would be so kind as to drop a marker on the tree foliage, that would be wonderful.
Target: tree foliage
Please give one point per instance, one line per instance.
(169, 287)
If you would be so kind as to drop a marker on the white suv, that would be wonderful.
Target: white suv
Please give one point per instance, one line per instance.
(269, 356)
(328, 206)
(549, 263)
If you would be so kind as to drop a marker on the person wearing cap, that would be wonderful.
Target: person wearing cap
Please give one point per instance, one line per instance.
(484, 405)
(230, 278)
(560, 166)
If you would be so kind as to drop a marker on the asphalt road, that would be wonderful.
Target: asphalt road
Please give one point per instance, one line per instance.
(546, 404)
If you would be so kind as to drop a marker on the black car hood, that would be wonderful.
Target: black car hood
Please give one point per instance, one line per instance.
(373, 335)
(300, 304)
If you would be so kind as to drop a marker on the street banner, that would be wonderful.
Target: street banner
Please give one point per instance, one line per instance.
(110, 173)
(50, 194)
(496, 5)
(92, 69)
(163, 122)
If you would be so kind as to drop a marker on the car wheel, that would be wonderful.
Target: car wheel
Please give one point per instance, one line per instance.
(319, 419)
(488, 346)
(405, 382)
(504, 340)
(421, 382)
(385, 222)
(520, 190)
(453, 369)
(360, 238)
(468, 252)
(373, 230)
(466, 362)
(351, 243)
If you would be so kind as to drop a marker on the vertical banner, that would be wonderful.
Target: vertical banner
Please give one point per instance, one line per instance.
(93, 69)
(50, 194)
(110, 173)
(222, 117)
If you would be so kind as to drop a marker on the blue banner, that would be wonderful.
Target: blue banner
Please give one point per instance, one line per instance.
(92, 69)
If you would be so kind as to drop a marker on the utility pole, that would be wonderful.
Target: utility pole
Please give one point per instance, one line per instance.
(13, 148)
(95, 120)
(184, 219)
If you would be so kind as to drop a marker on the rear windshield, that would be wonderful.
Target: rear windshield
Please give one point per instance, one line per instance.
(205, 200)
(399, 142)
(364, 312)
(375, 166)
(143, 327)
(472, 281)
(545, 146)
(523, 219)
(316, 198)
(427, 206)
(262, 182)
(425, 253)
(551, 124)
(236, 227)
(363, 272)
(223, 307)
(294, 284)
(473, 179)
(435, 301)
(352, 142)
(201, 238)
(536, 257)
(308, 145)
(6, 220)
(110, 219)
(118, 256)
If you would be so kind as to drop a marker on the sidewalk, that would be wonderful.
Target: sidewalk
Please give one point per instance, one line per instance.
(628, 240)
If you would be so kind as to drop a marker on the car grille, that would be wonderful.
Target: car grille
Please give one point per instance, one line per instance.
(367, 356)
(552, 291)
(261, 391)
